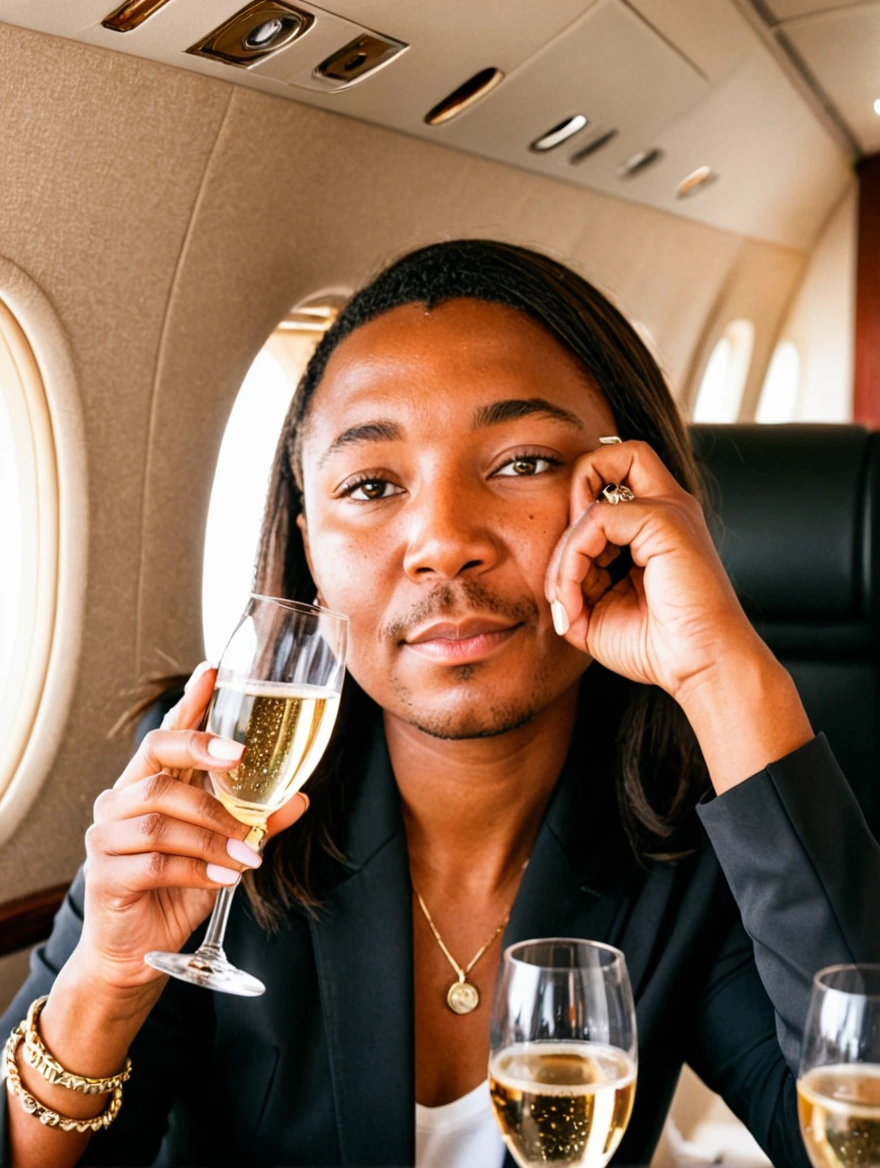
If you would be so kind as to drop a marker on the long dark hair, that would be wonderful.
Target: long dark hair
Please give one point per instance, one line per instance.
(660, 772)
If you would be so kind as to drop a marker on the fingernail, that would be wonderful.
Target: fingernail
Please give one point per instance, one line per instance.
(223, 748)
(560, 617)
(221, 875)
(305, 800)
(240, 851)
(196, 674)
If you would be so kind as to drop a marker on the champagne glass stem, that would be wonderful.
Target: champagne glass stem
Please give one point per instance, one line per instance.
(213, 943)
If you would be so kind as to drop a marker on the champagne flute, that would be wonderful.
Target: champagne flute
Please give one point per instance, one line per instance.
(839, 1081)
(277, 692)
(563, 1051)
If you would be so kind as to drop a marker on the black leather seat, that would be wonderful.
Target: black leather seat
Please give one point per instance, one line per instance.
(797, 522)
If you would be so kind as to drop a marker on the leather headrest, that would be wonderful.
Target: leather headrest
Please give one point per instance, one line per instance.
(796, 523)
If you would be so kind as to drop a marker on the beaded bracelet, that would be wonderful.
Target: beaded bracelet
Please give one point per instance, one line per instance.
(45, 1114)
(36, 1056)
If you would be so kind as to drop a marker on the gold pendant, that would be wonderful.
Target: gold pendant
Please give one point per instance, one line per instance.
(462, 997)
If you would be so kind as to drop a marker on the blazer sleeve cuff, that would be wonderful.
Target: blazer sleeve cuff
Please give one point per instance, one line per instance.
(805, 872)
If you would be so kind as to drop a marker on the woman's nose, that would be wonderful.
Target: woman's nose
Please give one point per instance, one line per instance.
(449, 532)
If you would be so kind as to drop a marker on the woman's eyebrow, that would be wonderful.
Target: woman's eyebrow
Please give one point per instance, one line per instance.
(380, 431)
(513, 408)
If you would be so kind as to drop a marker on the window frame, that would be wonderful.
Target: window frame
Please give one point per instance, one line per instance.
(739, 335)
(39, 366)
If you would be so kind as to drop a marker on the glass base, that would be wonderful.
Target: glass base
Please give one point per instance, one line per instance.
(208, 968)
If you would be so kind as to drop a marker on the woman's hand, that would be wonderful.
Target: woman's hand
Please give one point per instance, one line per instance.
(674, 620)
(160, 847)
(675, 614)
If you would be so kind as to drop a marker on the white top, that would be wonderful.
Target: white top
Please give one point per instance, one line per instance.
(461, 1134)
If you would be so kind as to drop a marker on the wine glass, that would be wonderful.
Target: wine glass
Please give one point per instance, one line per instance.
(839, 1081)
(563, 1051)
(277, 691)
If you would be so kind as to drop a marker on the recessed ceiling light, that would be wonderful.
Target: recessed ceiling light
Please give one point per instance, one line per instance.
(462, 98)
(132, 14)
(254, 33)
(559, 134)
(695, 181)
(592, 147)
(636, 163)
(877, 106)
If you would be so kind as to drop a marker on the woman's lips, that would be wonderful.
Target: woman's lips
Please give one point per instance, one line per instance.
(459, 649)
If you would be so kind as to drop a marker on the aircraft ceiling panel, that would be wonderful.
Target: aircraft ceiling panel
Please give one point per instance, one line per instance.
(715, 45)
(611, 68)
(842, 50)
(658, 73)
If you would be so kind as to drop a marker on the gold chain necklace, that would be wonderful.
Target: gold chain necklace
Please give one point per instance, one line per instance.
(462, 996)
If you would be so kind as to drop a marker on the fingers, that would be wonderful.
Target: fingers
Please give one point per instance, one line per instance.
(287, 815)
(188, 713)
(573, 575)
(131, 876)
(155, 832)
(161, 794)
(180, 750)
(634, 463)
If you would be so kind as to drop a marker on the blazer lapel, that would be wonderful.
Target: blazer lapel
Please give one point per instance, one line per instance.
(363, 950)
(580, 878)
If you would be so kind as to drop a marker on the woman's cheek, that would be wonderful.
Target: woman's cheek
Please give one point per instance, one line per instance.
(349, 567)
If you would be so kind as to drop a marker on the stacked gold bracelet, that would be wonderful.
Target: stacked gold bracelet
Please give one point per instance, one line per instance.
(37, 1056)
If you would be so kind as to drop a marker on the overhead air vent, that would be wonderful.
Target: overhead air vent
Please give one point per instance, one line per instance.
(637, 163)
(365, 54)
(559, 134)
(132, 14)
(460, 99)
(254, 33)
(696, 181)
(591, 148)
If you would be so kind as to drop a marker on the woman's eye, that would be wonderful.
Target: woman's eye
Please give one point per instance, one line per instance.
(531, 464)
(370, 489)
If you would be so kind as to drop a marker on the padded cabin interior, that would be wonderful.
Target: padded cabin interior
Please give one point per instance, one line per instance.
(170, 220)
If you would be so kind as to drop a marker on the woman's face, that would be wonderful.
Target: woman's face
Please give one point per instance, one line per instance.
(437, 462)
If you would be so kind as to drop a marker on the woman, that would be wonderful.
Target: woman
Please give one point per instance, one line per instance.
(532, 718)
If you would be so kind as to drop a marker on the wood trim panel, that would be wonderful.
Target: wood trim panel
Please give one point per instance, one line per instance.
(27, 921)
(866, 401)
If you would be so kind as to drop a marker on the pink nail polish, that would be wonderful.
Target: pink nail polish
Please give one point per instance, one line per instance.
(221, 875)
(240, 851)
(224, 749)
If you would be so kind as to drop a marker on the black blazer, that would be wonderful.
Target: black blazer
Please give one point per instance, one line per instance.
(319, 1071)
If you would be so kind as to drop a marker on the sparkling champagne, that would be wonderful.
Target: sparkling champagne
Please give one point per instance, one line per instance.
(284, 728)
(840, 1115)
(565, 1103)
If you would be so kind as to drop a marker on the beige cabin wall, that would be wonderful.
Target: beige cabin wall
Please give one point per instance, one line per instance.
(822, 319)
(171, 220)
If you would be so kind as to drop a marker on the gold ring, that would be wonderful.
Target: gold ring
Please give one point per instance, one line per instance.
(615, 493)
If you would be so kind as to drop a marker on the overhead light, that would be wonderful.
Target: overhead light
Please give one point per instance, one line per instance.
(559, 133)
(592, 147)
(260, 29)
(695, 181)
(636, 163)
(264, 34)
(460, 99)
(365, 54)
(132, 14)
(877, 106)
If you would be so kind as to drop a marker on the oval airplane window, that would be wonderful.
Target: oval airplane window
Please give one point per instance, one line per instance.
(243, 465)
(29, 538)
(719, 397)
(779, 393)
